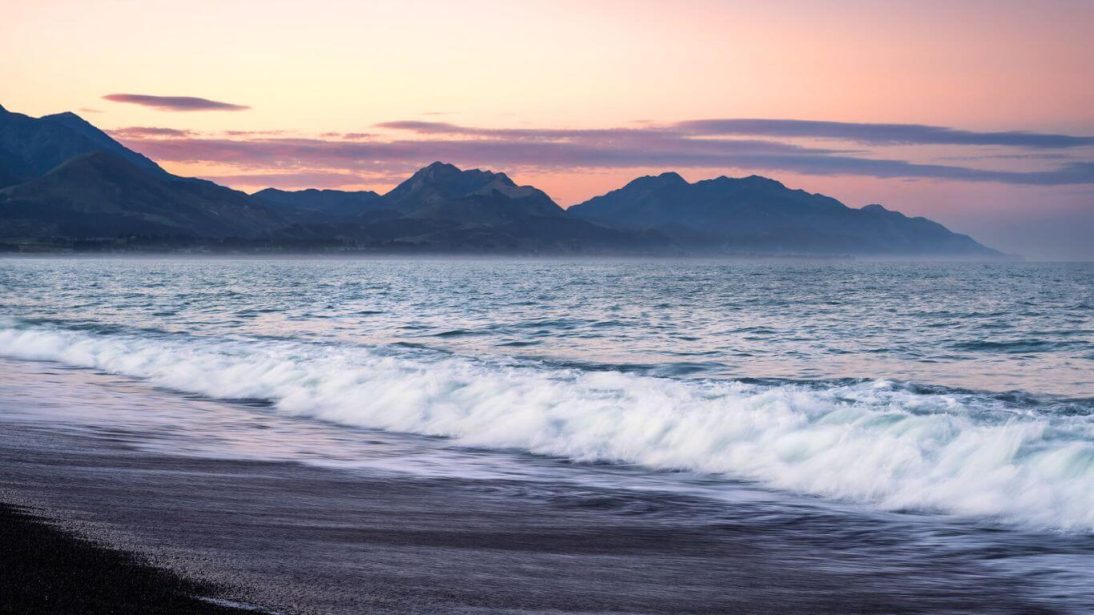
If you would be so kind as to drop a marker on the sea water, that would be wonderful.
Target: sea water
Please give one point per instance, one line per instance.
(961, 389)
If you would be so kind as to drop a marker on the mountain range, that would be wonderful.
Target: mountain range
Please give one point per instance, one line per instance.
(65, 184)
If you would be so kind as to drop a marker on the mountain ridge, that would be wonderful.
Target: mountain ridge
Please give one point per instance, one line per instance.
(751, 213)
(65, 182)
(41, 144)
(100, 195)
(443, 191)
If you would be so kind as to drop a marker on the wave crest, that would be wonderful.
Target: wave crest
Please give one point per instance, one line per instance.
(875, 442)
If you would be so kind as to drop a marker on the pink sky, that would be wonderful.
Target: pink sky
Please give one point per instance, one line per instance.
(579, 97)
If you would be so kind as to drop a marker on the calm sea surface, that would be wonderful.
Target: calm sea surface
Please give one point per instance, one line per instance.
(1025, 328)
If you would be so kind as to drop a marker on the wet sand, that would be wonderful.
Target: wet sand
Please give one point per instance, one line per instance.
(292, 538)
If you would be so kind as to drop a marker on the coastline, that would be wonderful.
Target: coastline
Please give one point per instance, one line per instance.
(295, 538)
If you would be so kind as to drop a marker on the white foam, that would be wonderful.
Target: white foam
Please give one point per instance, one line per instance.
(875, 442)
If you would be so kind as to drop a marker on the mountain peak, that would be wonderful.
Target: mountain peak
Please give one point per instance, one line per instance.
(442, 190)
(760, 180)
(438, 165)
(68, 118)
(444, 171)
(438, 171)
(669, 178)
(48, 141)
(448, 179)
(876, 208)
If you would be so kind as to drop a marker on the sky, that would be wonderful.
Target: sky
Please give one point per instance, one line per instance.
(978, 114)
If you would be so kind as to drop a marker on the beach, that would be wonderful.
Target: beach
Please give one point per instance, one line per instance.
(48, 570)
(292, 537)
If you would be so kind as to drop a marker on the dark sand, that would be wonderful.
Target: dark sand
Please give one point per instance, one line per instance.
(300, 539)
(48, 571)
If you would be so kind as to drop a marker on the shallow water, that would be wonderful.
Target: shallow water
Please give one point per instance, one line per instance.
(956, 396)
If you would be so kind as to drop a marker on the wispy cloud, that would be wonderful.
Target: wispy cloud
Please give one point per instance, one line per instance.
(174, 103)
(349, 136)
(253, 133)
(883, 134)
(445, 128)
(874, 134)
(704, 144)
(142, 132)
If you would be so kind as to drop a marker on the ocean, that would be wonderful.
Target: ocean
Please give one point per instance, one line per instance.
(944, 409)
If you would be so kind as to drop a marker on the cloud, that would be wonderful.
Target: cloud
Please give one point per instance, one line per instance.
(140, 132)
(253, 133)
(174, 103)
(349, 136)
(555, 150)
(542, 134)
(315, 153)
(873, 134)
(880, 134)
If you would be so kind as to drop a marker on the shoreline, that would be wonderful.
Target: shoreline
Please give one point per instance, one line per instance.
(292, 537)
(517, 256)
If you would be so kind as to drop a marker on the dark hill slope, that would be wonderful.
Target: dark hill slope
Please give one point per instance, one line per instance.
(756, 214)
(317, 206)
(101, 195)
(31, 147)
(444, 207)
(443, 192)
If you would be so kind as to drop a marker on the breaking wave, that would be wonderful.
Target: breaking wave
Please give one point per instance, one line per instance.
(894, 446)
